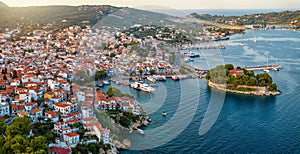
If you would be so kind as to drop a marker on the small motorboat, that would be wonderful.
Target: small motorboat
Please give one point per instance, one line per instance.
(164, 113)
(140, 131)
(106, 82)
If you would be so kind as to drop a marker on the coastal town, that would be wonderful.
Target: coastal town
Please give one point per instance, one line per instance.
(50, 79)
(56, 79)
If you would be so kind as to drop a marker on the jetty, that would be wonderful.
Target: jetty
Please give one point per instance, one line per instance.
(204, 47)
(263, 68)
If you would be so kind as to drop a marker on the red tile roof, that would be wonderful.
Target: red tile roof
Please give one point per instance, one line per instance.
(59, 150)
(53, 114)
(34, 111)
(31, 104)
(61, 105)
(72, 134)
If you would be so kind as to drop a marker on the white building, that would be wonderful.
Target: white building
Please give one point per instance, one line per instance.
(72, 138)
(80, 96)
(62, 108)
(4, 108)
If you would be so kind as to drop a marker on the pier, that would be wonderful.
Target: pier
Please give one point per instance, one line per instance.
(204, 47)
(264, 68)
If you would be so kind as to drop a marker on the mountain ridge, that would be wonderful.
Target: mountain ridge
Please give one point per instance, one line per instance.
(280, 18)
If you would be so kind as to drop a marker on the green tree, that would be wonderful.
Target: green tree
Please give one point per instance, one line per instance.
(124, 121)
(110, 92)
(229, 66)
(2, 127)
(12, 131)
(100, 75)
(23, 123)
(15, 74)
(152, 72)
(39, 144)
(93, 148)
(112, 55)
(2, 142)
(4, 77)
(18, 144)
(51, 137)
(141, 72)
(76, 125)
(272, 87)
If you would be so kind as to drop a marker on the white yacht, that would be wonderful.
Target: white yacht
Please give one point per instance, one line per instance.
(146, 87)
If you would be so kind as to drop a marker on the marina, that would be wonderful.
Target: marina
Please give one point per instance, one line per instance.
(257, 120)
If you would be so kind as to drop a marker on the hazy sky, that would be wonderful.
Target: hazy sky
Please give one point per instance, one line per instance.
(176, 4)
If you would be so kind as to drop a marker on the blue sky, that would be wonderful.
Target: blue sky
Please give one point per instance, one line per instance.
(175, 4)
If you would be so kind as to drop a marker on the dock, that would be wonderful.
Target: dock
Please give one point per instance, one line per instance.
(263, 68)
(204, 47)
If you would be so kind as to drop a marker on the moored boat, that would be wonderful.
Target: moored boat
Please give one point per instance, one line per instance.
(106, 82)
(175, 78)
(151, 79)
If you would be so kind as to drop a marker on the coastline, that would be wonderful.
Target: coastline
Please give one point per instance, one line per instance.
(260, 91)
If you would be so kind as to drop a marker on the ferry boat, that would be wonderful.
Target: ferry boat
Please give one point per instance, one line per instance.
(149, 78)
(147, 88)
(142, 86)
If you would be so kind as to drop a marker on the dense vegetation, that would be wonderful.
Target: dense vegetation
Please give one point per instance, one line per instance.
(91, 148)
(114, 92)
(16, 138)
(127, 118)
(280, 18)
(82, 78)
(221, 75)
(100, 75)
(166, 34)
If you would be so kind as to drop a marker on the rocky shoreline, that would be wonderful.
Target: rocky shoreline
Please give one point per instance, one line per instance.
(260, 91)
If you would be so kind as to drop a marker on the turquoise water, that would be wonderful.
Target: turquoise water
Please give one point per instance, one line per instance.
(246, 124)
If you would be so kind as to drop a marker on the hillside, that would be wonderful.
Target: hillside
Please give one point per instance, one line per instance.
(273, 18)
(27, 19)
(127, 17)
(51, 16)
(3, 4)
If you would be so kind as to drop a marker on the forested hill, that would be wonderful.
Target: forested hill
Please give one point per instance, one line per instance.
(51, 16)
(280, 18)
(3, 5)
